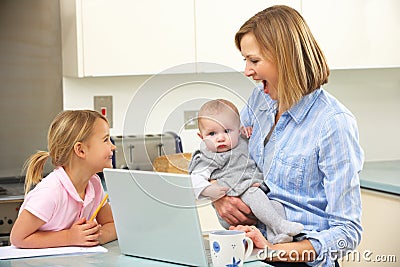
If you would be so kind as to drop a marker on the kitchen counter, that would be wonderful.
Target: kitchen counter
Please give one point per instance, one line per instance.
(111, 258)
(381, 176)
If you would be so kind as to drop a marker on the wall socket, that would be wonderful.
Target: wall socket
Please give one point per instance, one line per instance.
(190, 119)
(103, 104)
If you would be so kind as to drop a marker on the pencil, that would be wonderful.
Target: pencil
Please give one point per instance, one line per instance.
(98, 208)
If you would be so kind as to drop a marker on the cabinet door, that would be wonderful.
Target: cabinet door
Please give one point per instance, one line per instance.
(125, 37)
(356, 33)
(380, 221)
(216, 25)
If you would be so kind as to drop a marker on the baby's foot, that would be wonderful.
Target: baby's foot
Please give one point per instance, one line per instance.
(281, 238)
(291, 228)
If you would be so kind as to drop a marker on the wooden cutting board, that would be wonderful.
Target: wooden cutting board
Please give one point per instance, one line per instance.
(175, 163)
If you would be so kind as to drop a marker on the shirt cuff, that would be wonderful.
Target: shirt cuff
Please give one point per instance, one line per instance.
(322, 256)
(318, 249)
(317, 245)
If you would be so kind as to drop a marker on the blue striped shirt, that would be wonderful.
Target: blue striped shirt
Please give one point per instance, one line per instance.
(314, 169)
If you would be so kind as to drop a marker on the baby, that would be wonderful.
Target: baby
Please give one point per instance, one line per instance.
(224, 157)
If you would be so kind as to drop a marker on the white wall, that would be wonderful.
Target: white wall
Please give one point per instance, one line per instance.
(373, 95)
(157, 102)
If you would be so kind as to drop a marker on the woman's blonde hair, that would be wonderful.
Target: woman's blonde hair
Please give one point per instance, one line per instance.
(67, 128)
(285, 38)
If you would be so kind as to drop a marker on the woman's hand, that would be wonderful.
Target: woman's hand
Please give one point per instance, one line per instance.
(255, 235)
(234, 211)
(84, 233)
(301, 251)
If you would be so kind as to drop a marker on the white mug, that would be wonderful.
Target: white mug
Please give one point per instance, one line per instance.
(228, 247)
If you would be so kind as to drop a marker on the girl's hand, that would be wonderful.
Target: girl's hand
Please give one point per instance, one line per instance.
(255, 235)
(84, 233)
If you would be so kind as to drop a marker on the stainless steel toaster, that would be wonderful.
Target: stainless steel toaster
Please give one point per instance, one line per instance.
(137, 152)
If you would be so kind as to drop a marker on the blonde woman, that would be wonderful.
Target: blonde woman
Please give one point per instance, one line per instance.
(56, 211)
(303, 139)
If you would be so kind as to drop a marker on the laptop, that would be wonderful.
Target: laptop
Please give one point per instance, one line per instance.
(156, 217)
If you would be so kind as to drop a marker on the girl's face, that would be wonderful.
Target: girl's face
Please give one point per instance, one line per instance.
(219, 132)
(99, 146)
(258, 66)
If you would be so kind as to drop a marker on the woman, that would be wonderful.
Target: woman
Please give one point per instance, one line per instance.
(304, 140)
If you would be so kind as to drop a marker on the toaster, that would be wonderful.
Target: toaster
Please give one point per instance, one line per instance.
(137, 152)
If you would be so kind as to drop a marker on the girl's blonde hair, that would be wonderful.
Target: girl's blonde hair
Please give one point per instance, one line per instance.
(67, 128)
(285, 38)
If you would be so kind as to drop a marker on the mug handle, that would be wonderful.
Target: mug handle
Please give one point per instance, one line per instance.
(249, 249)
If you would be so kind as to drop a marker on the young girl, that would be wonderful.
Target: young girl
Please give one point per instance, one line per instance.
(57, 211)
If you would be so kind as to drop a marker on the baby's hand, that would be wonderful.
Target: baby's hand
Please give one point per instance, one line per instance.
(214, 191)
(84, 233)
(246, 131)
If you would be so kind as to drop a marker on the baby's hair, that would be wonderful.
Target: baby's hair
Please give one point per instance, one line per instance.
(216, 106)
(67, 128)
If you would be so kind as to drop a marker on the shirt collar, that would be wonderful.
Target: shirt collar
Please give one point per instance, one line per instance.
(299, 111)
(70, 188)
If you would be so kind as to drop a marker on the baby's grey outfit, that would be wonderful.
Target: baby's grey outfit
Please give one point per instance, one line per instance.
(236, 170)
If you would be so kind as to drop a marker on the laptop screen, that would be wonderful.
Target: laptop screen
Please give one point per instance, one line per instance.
(155, 216)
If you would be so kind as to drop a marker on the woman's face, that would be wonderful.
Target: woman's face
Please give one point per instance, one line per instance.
(258, 66)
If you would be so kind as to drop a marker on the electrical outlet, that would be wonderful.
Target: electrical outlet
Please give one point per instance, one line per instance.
(190, 119)
(103, 104)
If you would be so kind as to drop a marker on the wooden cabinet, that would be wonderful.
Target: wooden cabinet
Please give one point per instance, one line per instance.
(356, 33)
(125, 37)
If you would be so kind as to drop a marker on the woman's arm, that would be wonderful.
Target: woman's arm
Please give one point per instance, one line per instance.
(301, 251)
(106, 221)
(25, 233)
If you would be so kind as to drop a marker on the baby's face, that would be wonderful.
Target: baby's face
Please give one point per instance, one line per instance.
(220, 132)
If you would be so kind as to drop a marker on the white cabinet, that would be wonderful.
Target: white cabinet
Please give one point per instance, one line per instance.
(356, 33)
(125, 37)
(216, 25)
(130, 37)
